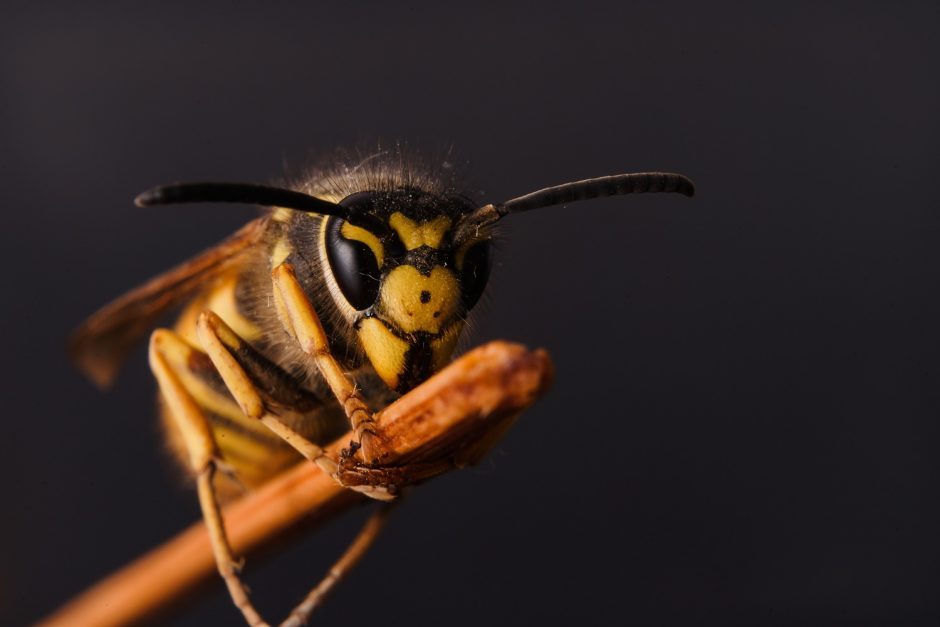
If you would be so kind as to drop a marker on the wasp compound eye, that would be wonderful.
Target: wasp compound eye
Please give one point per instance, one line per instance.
(354, 255)
(474, 271)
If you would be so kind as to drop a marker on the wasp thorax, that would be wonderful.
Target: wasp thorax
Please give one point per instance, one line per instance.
(406, 283)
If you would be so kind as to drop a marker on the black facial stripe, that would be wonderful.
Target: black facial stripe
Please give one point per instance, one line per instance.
(371, 223)
(418, 363)
(424, 259)
(394, 249)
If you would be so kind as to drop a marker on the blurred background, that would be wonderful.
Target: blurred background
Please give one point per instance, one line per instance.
(744, 427)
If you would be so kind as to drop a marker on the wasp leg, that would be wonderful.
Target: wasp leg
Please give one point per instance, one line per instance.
(264, 396)
(204, 460)
(359, 547)
(300, 318)
(172, 359)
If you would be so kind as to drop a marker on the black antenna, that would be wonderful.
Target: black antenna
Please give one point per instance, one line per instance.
(638, 183)
(618, 184)
(239, 193)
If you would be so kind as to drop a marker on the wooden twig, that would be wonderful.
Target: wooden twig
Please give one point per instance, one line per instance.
(449, 421)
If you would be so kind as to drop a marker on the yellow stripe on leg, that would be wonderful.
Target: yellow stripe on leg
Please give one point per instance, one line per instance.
(301, 320)
(217, 338)
(192, 424)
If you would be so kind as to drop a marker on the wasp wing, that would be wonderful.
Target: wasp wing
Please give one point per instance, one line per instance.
(99, 346)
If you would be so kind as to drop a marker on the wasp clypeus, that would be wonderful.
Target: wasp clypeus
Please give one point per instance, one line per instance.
(352, 287)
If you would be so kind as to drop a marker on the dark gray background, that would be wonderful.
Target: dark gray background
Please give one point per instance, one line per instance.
(744, 427)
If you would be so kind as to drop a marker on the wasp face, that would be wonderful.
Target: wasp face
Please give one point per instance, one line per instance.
(397, 264)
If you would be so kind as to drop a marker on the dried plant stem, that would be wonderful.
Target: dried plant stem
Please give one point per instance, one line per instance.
(450, 420)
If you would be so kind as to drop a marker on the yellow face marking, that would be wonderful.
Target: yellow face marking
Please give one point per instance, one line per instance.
(443, 347)
(385, 350)
(359, 234)
(414, 235)
(414, 302)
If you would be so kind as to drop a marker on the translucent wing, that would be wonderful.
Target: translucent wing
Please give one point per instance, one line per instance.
(99, 346)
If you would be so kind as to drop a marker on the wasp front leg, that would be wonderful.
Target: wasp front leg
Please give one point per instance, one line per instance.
(302, 321)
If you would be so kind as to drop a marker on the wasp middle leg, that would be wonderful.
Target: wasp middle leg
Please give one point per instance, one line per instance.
(266, 393)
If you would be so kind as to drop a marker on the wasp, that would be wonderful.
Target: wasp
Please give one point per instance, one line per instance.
(352, 287)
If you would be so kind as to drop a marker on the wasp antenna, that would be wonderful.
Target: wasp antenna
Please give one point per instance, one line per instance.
(237, 193)
(636, 183)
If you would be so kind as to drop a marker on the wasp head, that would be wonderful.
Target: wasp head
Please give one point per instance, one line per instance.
(403, 265)
(400, 260)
